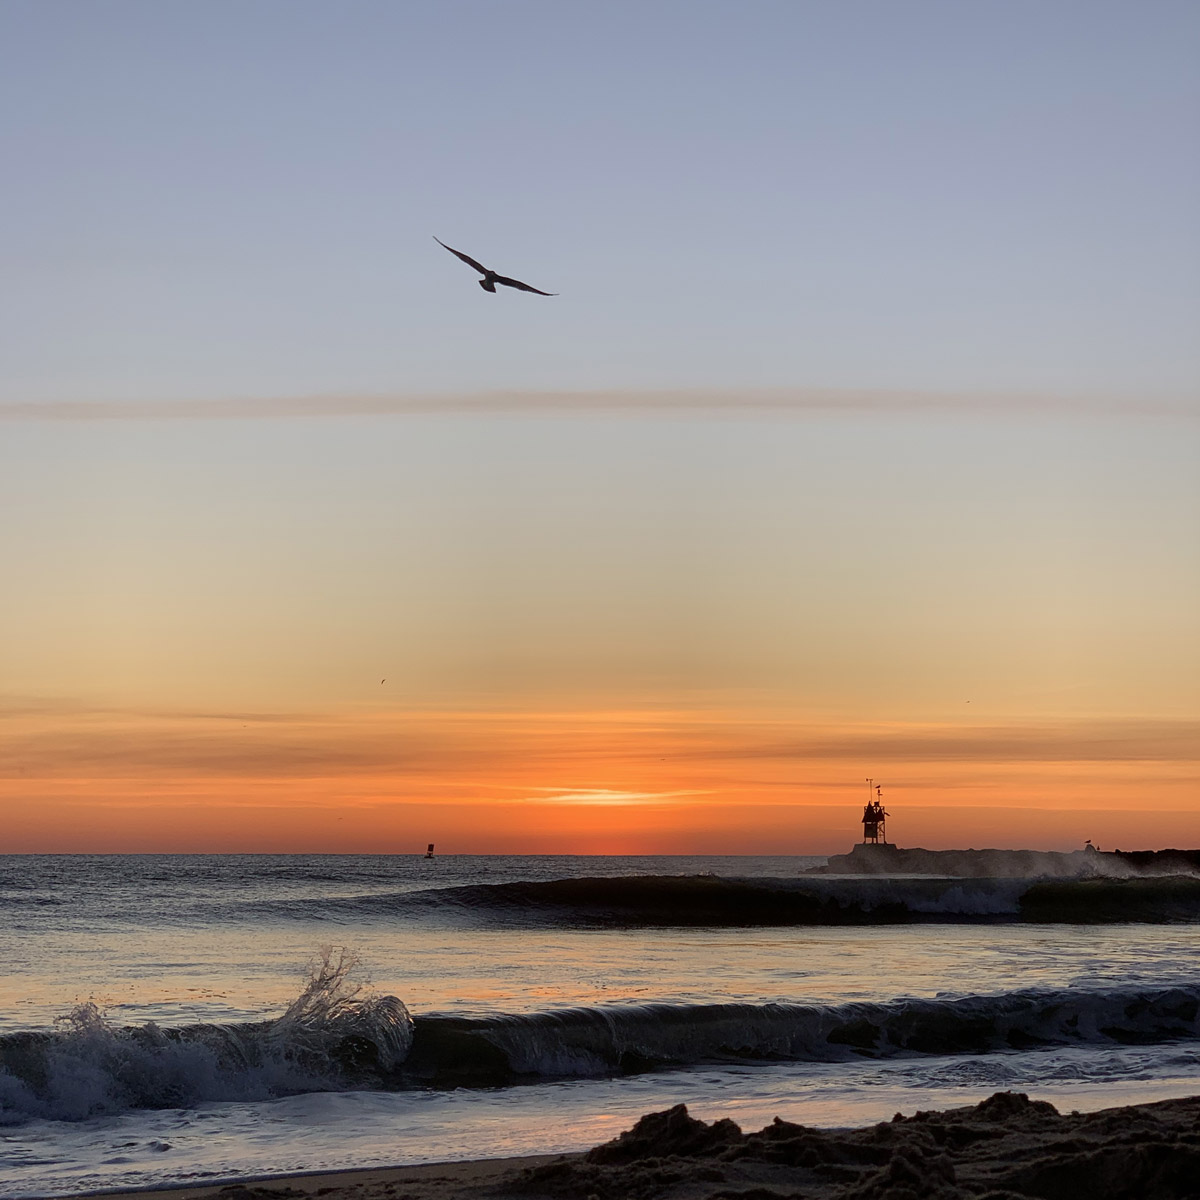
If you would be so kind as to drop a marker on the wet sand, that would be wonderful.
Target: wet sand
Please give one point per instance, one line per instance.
(1006, 1148)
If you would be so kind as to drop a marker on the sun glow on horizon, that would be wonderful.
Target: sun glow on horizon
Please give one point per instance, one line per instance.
(647, 780)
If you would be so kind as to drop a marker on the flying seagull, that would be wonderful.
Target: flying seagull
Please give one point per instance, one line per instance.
(490, 278)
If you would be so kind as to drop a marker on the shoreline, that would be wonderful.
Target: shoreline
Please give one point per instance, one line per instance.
(1006, 1146)
(343, 1181)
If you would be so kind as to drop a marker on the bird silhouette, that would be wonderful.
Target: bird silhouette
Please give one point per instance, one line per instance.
(490, 278)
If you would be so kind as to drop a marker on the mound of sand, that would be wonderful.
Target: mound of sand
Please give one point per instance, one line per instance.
(1006, 1148)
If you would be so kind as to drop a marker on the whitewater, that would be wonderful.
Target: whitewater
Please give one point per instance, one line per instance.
(179, 1019)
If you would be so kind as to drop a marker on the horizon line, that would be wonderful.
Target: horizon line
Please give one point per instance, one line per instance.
(622, 401)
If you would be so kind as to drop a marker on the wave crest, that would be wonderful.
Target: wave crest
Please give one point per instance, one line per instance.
(711, 901)
(337, 1033)
(454, 1051)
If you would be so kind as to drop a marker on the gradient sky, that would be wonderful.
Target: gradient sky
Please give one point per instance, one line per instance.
(864, 438)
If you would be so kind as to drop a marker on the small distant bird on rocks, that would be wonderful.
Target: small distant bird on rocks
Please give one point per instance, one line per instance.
(490, 278)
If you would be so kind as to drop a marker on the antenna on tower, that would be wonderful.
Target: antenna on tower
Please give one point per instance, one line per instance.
(874, 817)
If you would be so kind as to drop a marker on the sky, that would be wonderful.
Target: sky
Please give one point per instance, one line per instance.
(862, 440)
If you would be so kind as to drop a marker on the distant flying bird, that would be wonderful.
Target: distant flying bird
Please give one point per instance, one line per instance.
(490, 278)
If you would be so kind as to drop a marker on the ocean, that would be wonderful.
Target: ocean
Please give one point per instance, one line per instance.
(184, 1019)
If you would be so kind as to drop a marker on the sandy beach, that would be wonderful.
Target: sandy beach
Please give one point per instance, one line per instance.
(1006, 1148)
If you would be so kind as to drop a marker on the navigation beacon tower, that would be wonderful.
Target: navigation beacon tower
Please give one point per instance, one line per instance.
(874, 819)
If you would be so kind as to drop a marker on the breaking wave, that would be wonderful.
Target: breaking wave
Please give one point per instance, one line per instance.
(336, 1034)
(338, 1038)
(716, 901)
(597, 1041)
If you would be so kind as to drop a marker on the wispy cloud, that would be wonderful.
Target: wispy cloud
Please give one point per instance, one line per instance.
(513, 748)
(1129, 740)
(659, 402)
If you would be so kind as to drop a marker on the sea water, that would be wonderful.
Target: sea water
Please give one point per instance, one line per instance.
(174, 1019)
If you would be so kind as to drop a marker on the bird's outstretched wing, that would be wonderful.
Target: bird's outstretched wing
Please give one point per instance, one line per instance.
(459, 254)
(516, 283)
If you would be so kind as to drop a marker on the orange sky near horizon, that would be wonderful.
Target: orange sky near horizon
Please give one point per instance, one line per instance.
(641, 781)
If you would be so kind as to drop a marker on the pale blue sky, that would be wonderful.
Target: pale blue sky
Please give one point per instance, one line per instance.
(236, 199)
